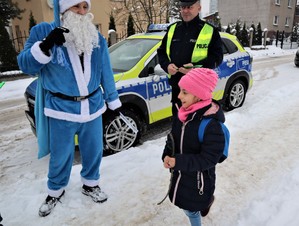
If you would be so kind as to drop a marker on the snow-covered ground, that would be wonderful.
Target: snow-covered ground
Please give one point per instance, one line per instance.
(257, 185)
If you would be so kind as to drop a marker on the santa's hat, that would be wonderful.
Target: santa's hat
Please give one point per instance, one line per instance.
(60, 6)
(200, 82)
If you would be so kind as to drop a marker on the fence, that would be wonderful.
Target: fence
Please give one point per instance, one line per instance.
(286, 42)
(19, 41)
(18, 44)
(288, 45)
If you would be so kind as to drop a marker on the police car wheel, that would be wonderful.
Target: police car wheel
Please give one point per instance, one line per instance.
(235, 96)
(118, 136)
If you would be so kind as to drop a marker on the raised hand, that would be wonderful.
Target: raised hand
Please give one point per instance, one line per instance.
(55, 37)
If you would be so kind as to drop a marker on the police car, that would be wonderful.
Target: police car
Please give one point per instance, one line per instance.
(144, 89)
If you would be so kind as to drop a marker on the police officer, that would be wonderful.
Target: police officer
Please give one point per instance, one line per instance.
(188, 43)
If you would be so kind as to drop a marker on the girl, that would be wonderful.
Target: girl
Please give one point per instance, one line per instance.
(193, 163)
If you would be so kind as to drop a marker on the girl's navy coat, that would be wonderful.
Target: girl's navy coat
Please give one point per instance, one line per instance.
(194, 177)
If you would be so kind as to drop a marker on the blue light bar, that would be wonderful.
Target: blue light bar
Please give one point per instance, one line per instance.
(157, 27)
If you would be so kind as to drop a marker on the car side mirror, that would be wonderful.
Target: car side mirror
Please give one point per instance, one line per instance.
(156, 78)
(156, 72)
(159, 71)
(151, 71)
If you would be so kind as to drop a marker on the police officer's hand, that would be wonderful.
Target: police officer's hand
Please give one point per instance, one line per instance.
(172, 69)
(55, 37)
(186, 68)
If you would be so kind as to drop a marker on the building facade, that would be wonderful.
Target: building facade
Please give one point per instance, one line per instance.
(144, 12)
(274, 15)
(296, 17)
(213, 6)
(42, 10)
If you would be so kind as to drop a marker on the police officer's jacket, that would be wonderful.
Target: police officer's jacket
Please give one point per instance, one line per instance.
(182, 46)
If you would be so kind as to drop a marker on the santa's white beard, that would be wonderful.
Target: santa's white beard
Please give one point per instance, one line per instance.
(83, 34)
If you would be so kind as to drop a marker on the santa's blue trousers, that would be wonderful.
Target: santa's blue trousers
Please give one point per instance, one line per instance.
(62, 146)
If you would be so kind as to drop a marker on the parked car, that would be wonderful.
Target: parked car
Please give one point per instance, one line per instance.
(296, 60)
(144, 89)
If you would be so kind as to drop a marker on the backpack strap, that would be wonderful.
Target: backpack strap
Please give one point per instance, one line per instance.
(203, 124)
(226, 134)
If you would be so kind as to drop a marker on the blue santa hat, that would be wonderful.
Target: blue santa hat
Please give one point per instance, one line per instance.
(60, 6)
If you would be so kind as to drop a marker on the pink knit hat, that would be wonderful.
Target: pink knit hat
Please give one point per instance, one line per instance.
(200, 82)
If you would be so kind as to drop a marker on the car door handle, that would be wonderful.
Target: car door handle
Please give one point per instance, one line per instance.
(230, 63)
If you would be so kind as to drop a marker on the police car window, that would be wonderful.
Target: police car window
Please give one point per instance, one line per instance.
(127, 53)
(149, 68)
(224, 48)
(229, 46)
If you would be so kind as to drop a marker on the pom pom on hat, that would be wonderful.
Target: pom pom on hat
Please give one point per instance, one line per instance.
(200, 82)
(66, 4)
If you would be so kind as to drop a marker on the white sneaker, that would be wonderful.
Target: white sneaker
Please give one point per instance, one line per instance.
(48, 205)
(95, 193)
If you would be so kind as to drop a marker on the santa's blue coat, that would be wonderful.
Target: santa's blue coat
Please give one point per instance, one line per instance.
(62, 72)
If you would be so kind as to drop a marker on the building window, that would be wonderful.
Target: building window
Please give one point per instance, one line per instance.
(275, 20)
(289, 3)
(277, 2)
(287, 23)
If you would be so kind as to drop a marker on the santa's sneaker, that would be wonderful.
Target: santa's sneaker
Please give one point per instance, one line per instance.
(48, 205)
(95, 193)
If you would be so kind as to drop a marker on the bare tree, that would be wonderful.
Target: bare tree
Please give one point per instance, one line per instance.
(144, 13)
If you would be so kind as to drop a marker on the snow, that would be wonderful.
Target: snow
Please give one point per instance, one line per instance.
(257, 185)
(11, 72)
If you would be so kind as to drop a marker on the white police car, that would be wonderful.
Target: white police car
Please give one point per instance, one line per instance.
(144, 90)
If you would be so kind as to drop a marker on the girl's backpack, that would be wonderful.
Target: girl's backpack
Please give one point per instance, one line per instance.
(201, 130)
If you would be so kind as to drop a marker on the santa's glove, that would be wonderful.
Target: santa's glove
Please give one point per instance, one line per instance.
(55, 37)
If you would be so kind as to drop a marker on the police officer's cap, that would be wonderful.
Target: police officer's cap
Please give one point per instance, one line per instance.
(187, 2)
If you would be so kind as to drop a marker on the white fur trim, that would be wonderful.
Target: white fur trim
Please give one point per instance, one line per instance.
(66, 4)
(55, 193)
(38, 54)
(87, 67)
(90, 183)
(85, 107)
(114, 104)
(77, 67)
(73, 117)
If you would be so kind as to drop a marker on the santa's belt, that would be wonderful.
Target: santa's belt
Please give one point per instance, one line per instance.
(77, 98)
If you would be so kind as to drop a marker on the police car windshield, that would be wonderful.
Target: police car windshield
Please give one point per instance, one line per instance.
(127, 53)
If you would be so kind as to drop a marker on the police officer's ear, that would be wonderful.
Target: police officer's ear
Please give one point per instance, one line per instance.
(198, 5)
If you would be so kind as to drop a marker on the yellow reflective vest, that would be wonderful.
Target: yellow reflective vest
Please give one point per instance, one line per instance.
(200, 50)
